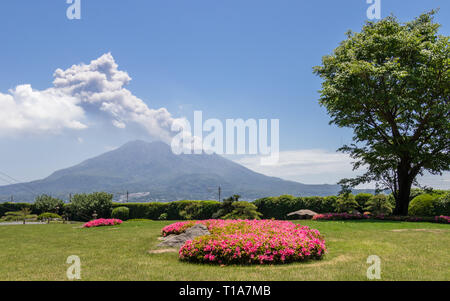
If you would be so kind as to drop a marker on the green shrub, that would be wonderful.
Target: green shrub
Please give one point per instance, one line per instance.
(391, 200)
(202, 212)
(12, 216)
(423, 205)
(48, 215)
(13, 213)
(279, 207)
(362, 199)
(243, 210)
(416, 192)
(226, 207)
(9, 207)
(163, 217)
(442, 206)
(346, 203)
(177, 210)
(15, 216)
(83, 206)
(45, 203)
(316, 203)
(144, 210)
(379, 204)
(190, 211)
(121, 213)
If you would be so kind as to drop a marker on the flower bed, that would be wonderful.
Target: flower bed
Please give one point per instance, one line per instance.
(436, 219)
(347, 216)
(250, 241)
(178, 228)
(102, 222)
(340, 216)
(442, 219)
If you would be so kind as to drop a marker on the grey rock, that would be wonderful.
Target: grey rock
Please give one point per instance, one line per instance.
(176, 241)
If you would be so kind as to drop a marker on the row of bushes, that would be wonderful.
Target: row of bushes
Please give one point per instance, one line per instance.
(83, 206)
(348, 216)
(178, 210)
(279, 207)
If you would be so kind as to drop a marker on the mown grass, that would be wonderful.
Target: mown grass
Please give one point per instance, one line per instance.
(408, 251)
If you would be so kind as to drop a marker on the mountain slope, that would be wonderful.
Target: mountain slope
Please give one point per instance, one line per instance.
(140, 166)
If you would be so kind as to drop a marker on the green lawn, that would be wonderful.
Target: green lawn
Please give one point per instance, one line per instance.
(408, 251)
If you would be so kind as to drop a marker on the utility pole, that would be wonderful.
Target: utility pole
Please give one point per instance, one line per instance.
(127, 196)
(220, 191)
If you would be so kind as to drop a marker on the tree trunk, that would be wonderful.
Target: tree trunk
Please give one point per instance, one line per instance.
(404, 190)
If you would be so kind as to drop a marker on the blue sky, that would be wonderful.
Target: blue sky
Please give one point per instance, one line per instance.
(230, 59)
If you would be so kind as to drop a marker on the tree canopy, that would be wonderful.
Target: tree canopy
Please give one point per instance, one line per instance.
(390, 83)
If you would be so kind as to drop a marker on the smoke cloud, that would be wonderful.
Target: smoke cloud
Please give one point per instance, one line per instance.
(98, 87)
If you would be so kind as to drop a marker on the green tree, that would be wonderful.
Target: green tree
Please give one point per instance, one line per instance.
(390, 83)
(45, 203)
(83, 205)
(346, 203)
(243, 210)
(226, 206)
(25, 213)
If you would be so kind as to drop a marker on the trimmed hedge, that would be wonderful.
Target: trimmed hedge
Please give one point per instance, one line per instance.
(121, 213)
(270, 207)
(47, 215)
(178, 210)
(8, 207)
(423, 205)
(144, 210)
(279, 207)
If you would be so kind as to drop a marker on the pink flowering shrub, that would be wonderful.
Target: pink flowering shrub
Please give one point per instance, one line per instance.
(250, 241)
(442, 219)
(102, 222)
(340, 216)
(347, 216)
(177, 228)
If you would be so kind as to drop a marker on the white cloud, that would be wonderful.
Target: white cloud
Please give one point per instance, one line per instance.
(310, 166)
(28, 110)
(435, 181)
(96, 88)
(317, 166)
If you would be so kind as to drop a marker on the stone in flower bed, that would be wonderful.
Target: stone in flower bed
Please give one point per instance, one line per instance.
(250, 242)
(102, 222)
(178, 240)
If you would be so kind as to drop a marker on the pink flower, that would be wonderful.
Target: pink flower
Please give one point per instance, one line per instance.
(102, 222)
(251, 241)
